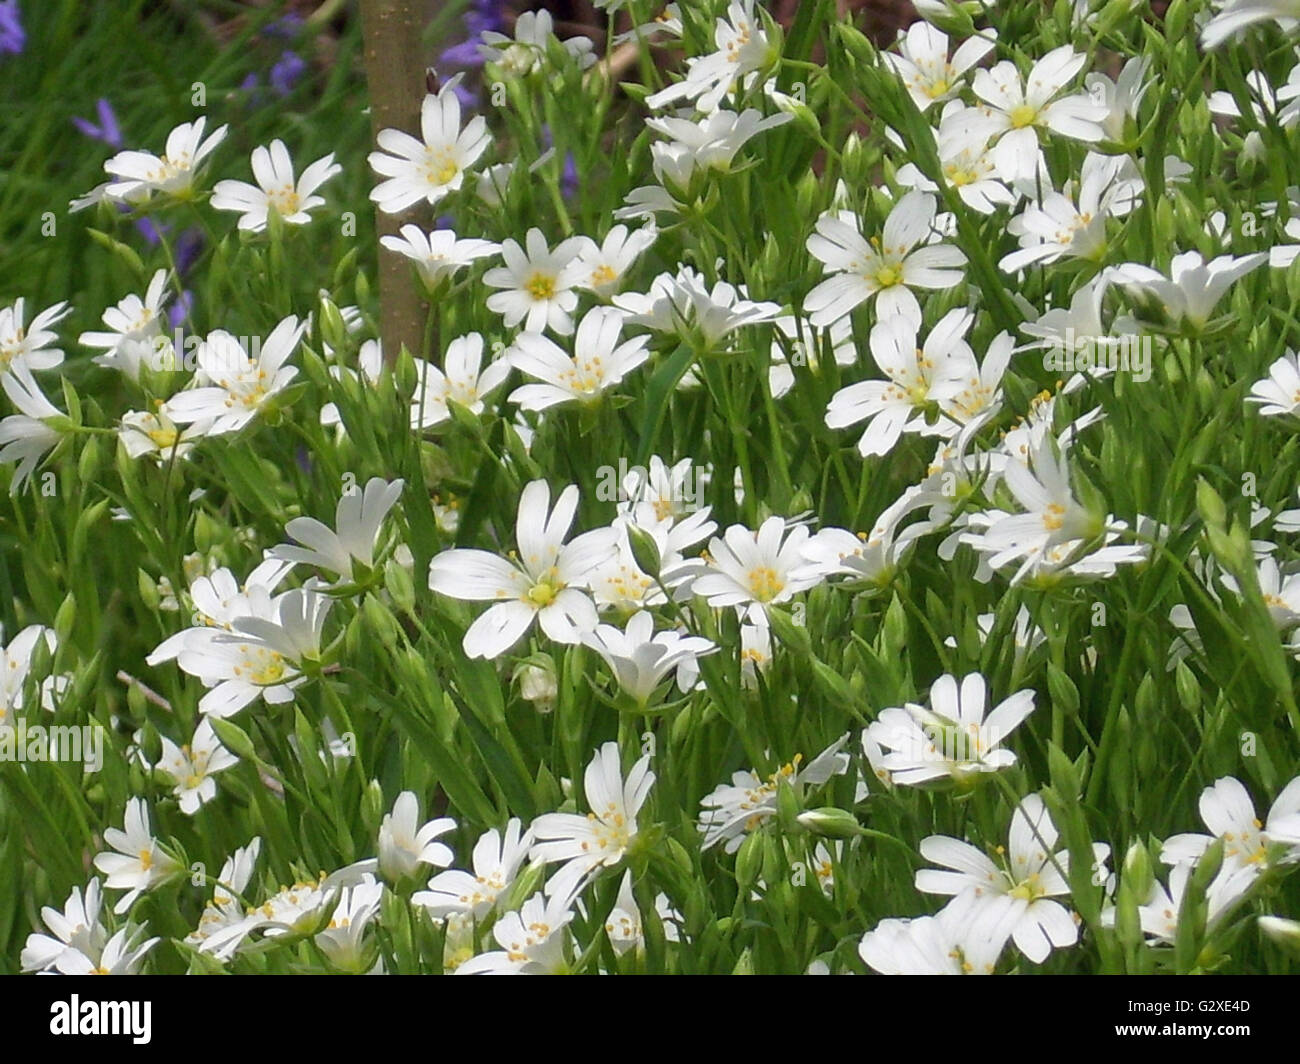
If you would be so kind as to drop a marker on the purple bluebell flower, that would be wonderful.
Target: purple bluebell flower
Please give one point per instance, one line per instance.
(484, 15)
(286, 27)
(151, 231)
(286, 72)
(180, 310)
(189, 245)
(107, 131)
(569, 176)
(12, 36)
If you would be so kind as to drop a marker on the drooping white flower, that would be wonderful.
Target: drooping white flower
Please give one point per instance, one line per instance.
(733, 810)
(640, 658)
(27, 437)
(546, 581)
(224, 911)
(602, 837)
(951, 740)
(438, 254)
(140, 174)
(430, 168)
(537, 283)
(527, 50)
(76, 930)
(599, 362)
(1193, 288)
(136, 863)
(359, 517)
(403, 846)
(709, 144)
(889, 268)
(343, 940)
(15, 668)
(684, 305)
(1238, 16)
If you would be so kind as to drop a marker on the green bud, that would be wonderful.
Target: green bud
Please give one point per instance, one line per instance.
(645, 550)
(234, 738)
(148, 589)
(65, 618)
(372, 807)
(1138, 875)
(381, 621)
(830, 822)
(1210, 505)
(749, 862)
(1189, 691)
(332, 329)
(1146, 702)
(88, 462)
(1064, 693)
(398, 582)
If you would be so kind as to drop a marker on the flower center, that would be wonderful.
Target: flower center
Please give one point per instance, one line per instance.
(541, 286)
(764, 583)
(889, 275)
(1022, 115)
(440, 167)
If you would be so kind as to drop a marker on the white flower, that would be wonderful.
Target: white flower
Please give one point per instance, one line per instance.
(709, 144)
(276, 189)
(525, 52)
(950, 740)
(1278, 394)
(136, 329)
(1194, 286)
(1056, 229)
(599, 362)
(24, 349)
(437, 254)
(867, 559)
(140, 173)
(756, 569)
(742, 48)
(538, 283)
(731, 811)
(1159, 915)
(921, 380)
(964, 938)
(1229, 813)
(158, 436)
(755, 653)
(343, 940)
(1022, 107)
(76, 931)
(1032, 874)
(225, 911)
(261, 658)
(459, 380)
(370, 367)
(925, 68)
(601, 267)
(28, 436)
(429, 169)
(601, 838)
(546, 582)
(888, 268)
(964, 144)
(1121, 97)
(358, 517)
(496, 861)
(15, 668)
(122, 955)
(193, 765)
(234, 386)
(1239, 15)
(640, 658)
(532, 940)
(139, 863)
(403, 847)
(683, 304)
